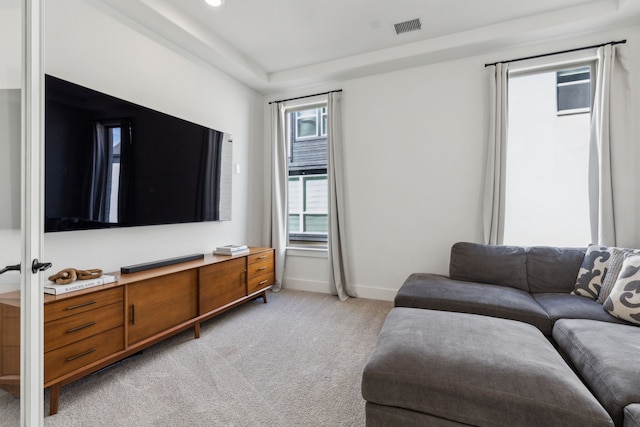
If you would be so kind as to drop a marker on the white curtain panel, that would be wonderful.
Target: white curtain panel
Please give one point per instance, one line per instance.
(611, 167)
(275, 218)
(494, 185)
(338, 266)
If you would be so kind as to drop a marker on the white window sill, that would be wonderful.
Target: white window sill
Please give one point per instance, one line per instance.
(310, 252)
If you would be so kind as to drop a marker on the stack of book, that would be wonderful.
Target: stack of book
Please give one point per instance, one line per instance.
(231, 250)
(55, 289)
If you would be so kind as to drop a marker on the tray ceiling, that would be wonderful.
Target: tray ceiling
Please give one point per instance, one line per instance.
(281, 44)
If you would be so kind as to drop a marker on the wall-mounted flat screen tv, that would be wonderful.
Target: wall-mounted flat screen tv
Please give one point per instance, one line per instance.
(113, 163)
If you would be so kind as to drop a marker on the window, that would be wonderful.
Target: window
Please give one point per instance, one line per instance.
(308, 208)
(310, 123)
(105, 171)
(573, 92)
(546, 195)
(307, 187)
(113, 138)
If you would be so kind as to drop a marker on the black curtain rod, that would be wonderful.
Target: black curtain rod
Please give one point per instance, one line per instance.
(306, 96)
(558, 53)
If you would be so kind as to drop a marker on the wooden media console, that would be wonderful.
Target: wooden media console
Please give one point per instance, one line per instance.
(87, 330)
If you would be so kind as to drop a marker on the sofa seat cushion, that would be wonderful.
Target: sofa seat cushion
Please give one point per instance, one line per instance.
(475, 370)
(437, 292)
(632, 415)
(605, 355)
(568, 306)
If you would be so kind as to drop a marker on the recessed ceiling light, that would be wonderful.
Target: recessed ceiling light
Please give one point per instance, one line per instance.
(214, 3)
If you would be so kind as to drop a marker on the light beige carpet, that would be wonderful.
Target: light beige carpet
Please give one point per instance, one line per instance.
(295, 361)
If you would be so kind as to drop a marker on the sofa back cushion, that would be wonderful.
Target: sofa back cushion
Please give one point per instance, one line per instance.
(551, 269)
(498, 265)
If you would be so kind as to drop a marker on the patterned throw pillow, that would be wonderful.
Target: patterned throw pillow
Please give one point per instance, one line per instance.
(613, 270)
(624, 300)
(592, 271)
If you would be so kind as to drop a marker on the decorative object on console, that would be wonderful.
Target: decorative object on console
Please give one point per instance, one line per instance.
(69, 275)
(231, 250)
(162, 263)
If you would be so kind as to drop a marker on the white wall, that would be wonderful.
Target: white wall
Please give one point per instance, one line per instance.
(89, 47)
(414, 158)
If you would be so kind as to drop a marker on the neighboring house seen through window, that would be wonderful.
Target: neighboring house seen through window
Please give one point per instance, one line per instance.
(573, 92)
(307, 187)
(547, 166)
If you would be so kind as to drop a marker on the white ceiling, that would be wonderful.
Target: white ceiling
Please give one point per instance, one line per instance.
(275, 45)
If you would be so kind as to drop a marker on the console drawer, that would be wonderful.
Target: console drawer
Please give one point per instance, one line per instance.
(259, 282)
(70, 306)
(74, 328)
(261, 258)
(261, 266)
(79, 354)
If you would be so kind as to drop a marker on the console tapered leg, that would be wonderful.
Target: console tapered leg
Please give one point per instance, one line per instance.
(54, 398)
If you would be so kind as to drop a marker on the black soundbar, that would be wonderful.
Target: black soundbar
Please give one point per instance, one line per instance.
(162, 263)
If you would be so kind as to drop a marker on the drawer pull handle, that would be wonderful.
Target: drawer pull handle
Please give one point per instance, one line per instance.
(262, 257)
(81, 354)
(262, 268)
(263, 282)
(133, 314)
(84, 304)
(77, 328)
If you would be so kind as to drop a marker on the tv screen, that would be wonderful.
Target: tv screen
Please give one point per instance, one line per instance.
(113, 163)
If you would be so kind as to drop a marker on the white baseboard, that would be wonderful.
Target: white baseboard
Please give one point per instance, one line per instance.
(382, 294)
(324, 288)
(306, 285)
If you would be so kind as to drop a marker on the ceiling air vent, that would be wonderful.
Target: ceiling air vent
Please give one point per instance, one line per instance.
(405, 27)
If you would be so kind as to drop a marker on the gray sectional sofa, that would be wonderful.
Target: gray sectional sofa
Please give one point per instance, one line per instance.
(507, 339)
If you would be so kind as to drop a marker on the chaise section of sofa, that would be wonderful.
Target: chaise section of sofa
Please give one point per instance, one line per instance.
(438, 368)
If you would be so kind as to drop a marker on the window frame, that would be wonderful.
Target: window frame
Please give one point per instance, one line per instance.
(297, 240)
(589, 61)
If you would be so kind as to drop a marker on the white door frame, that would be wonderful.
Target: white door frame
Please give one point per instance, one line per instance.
(31, 296)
